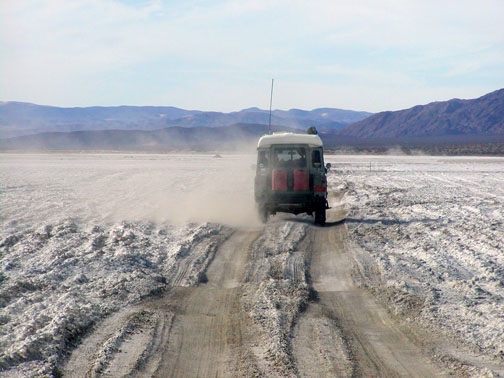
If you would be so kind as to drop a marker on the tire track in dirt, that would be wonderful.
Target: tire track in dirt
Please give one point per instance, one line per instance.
(190, 332)
(204, 331)
(209, 335)
(345, 332)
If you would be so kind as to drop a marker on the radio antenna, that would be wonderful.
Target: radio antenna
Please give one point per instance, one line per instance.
(271, 101)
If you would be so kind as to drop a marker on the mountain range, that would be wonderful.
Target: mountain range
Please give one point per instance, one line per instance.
(480, 116)
(477, 122)
(18, 118)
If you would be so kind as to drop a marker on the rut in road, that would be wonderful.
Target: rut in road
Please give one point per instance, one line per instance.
(345, 332)
(209, 334)
(190, 332)
(246, 320)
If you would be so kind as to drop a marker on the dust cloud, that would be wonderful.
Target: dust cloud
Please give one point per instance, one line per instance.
(97, 188)
(222, 193)
(407, 151)
(395, 151)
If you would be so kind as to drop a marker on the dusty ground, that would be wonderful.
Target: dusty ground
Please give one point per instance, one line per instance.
(433, 228)
(110, 292)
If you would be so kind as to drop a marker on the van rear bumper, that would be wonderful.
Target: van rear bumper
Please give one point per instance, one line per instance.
(295, 203)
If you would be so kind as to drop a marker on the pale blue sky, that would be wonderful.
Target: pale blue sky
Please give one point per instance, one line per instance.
(221, 55)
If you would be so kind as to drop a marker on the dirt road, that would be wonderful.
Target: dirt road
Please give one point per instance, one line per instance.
(189, 332)
(209, 333)
(345, 332)
(205, 331)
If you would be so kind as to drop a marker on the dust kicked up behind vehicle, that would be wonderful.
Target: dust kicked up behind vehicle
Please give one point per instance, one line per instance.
(291, 176)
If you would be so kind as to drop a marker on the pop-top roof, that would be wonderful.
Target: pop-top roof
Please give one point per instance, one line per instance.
(289, 138)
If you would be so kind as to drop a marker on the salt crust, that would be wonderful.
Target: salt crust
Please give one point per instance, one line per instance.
(434, 228)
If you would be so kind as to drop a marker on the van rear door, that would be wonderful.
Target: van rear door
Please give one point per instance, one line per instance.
(290, 165)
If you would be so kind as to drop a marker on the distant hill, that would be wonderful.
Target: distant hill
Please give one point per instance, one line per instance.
(478, 117)
(240, 137)
(18, 118)
(300, 119)
(320, 115)
(168, 139)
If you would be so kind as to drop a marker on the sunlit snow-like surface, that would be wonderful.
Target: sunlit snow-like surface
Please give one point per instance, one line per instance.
(117, 187)
(434, 226)
(86, 235)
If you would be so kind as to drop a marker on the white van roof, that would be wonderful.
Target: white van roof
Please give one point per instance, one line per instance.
(289, 138)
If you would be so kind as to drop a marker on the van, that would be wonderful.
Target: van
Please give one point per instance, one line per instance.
(291, 176)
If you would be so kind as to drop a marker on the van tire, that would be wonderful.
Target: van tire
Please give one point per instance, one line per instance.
(320, 216)
(263, 214)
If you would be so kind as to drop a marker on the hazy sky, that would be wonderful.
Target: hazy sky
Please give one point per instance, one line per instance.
(221, 55)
